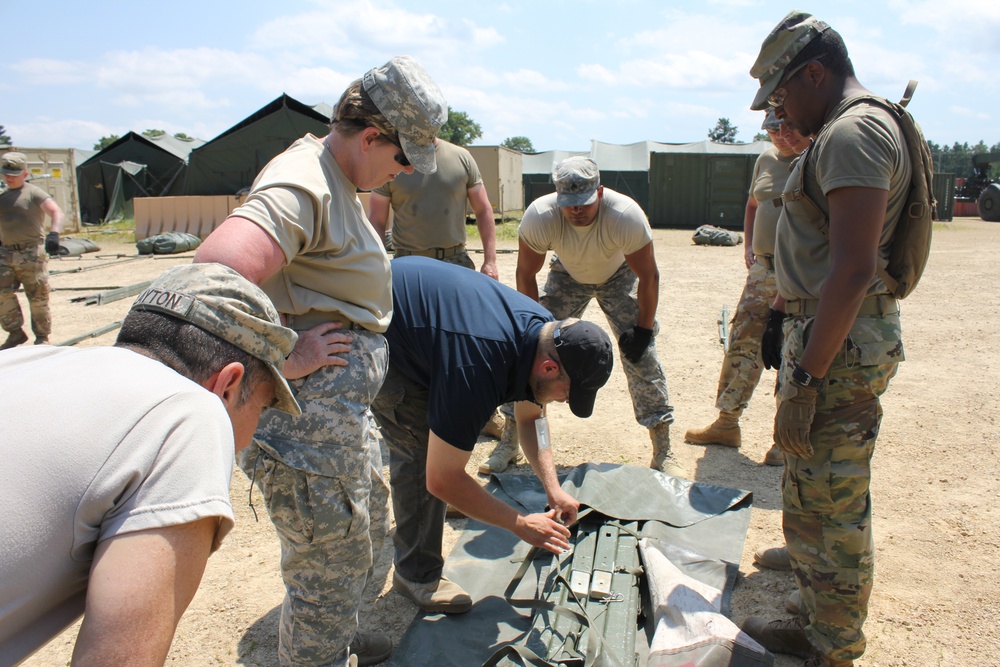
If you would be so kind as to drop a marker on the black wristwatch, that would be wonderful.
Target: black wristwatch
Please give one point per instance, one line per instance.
(804, 378)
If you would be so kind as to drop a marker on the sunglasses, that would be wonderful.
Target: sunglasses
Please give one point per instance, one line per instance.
(777, 98)
(400, 157)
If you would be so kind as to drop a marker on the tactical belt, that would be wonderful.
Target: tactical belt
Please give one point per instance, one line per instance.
(316, 317)
(767, 261)
(875, 305)
(18, 246)
(433, 253)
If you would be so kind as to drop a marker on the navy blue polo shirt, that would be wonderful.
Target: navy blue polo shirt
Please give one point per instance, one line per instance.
(466, 337)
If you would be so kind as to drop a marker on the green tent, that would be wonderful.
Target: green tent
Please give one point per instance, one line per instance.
(231, 161)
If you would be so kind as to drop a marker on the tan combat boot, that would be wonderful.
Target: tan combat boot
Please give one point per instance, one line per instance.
(507, 451)
(663, 458)
(14, 339)
(725, 431)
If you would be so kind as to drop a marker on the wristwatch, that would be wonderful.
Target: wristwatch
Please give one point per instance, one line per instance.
(804, 378)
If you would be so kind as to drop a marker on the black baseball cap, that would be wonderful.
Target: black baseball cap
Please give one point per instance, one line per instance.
(585, 352)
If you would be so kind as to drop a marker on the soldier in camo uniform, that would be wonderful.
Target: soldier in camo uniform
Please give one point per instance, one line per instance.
(842, 338)
(303, 236)
(23, 208)
(603, 250)
(742, 367)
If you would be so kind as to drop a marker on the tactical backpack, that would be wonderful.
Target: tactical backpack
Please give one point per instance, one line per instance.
(911, 241)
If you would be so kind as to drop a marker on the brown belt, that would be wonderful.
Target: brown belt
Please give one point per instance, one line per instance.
(316, 317)
(433, 253)
(767, 261)
(874, 305)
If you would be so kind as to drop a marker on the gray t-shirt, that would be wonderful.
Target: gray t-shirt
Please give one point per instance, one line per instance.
(133, 446)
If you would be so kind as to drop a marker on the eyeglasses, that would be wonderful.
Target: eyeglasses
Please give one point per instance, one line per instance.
(777, 98)
(400, 158)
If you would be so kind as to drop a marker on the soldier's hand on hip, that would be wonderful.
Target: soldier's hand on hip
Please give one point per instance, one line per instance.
(770, 344)
(633, 343)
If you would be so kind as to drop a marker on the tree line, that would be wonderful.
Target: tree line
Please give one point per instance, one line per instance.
(462, 130)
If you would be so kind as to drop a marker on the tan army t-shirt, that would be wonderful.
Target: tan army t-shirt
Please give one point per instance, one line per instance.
(22, 218)
(336, 262)
(770, 173)
(429, 209)
(864, 147)
(593, 253)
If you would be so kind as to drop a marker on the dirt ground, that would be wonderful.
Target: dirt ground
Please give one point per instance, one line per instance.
(935, 473)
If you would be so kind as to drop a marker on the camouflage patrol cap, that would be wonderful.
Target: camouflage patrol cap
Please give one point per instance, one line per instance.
(13, 164)
(410, 100)
(222, 302)
(576, 179)
(779, 48)
(771, 122)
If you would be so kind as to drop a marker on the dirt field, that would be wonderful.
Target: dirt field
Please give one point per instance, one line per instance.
(935, 474)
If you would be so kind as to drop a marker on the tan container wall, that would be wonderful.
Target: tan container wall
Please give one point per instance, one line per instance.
(501, 171)
(193, 215)
(54, 170)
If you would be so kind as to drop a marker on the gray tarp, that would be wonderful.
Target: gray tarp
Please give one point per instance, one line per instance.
(704, 525)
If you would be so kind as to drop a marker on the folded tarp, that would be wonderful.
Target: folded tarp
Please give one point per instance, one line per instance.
(712, 235)
(698, 528)
(170, 243)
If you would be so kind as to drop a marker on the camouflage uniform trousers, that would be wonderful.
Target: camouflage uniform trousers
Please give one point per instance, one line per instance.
(321, 478)
(742, 365)
(618, 298)
(25, 267)
(401, 410)
(826, 502)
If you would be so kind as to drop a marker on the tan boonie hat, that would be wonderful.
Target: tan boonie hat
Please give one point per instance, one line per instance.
(219, 300)
(771, 122)
(410, 100)
(576, 179)
(779, 48)
(13, 164)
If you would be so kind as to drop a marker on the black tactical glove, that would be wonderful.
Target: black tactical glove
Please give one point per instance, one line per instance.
(634, 342)
(52, 243)
(770, 344)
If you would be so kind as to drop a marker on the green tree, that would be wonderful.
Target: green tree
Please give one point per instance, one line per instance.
(5, 139)
(104, 142)
(152, 134)
(459, 129)
(724, 132)
(183, 137)
(522, 144)
(762, 136)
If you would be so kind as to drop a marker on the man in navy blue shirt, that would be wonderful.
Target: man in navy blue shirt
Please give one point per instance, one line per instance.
(461, 344)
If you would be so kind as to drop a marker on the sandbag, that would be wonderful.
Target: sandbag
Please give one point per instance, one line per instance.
(76, 247)
(712, 235)
(169, 243)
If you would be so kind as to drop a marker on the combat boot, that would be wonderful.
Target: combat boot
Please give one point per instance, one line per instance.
(14, 339)
(494, 427)
(664, 459)
(725, 431)
(780, 636)
(774, 457)
(507, 451)
(370, 648)
(773, 558)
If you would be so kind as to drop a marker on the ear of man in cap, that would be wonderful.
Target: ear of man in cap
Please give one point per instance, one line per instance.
(780, 47)
(576, 179)
(220, 301)
(409, 99)
(585, 353)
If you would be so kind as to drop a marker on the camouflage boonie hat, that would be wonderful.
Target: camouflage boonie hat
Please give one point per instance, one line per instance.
(576, 179)
(13, 164)
(410, 100)
(219, 300)
(779, 48)
(771, 122)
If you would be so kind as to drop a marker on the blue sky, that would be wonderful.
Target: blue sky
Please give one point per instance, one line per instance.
(561, 72)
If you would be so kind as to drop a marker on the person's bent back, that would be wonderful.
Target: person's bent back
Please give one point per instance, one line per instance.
(118, 463)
